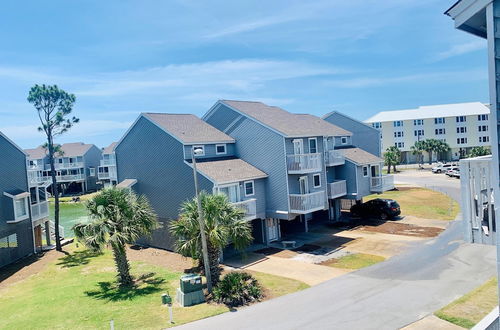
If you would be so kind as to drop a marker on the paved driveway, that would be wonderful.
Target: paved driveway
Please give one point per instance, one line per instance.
(388, 295)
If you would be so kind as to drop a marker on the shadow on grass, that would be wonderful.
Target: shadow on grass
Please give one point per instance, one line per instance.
(111, 291)
(78, 258)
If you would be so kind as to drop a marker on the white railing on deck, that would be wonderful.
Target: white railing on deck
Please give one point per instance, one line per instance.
(61, 166)
(337, 189)
(39, 211)
(110, 174)
(306, 203)
(334, 158)
(304, 163)
(249, 206)
(382, 183)
(108, 162)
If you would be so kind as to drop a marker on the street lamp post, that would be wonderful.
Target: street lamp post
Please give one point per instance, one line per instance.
(201, 220)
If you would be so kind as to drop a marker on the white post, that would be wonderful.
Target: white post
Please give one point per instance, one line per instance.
(170, 313)
(112, 325)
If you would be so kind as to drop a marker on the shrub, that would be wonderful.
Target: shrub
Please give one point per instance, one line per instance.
(236, 289)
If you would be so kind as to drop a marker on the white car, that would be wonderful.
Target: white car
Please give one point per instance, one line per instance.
(440, 168)
(451, 171)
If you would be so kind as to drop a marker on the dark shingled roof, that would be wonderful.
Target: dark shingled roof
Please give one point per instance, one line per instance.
(188, 128)
(287, 123)
(359, 156)
(229, 170)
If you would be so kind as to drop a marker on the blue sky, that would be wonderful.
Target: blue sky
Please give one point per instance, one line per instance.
(121, 58)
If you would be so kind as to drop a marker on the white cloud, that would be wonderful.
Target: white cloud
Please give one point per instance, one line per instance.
(461, 49)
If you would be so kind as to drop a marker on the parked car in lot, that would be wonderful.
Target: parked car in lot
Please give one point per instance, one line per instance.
(442, 168)
(380, 208)
(451, 171)
(455, 173)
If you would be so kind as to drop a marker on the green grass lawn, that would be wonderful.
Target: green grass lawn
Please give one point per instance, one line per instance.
(78, 291)
(422, 203)
(468, 310)
(354, 261)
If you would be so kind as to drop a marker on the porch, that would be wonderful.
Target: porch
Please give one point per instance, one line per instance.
(334, 158)
(307, 203)
(382, 183)
(337, 189)
(304, 163)
(249, 206)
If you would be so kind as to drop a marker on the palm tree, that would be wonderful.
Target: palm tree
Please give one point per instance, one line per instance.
(117, 217)
(430, 145)
(392, 157)
(479, 151)
(440, 148)
(224, 224)
(417, 149)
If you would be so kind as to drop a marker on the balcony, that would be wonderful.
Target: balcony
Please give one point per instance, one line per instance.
(382, 183)
(108, 162)
(307, 203)
(64, 166)
(39, 211)
(304, 163)
(110, 174)
(337, 189)
(250, 208)
(334, 158)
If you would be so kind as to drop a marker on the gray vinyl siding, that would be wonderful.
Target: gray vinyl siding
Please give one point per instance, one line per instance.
(363, 182)
(348, 172)
(13, 176)
(156, 160)
(364, 137)
(305, 141)
(262, 148)
(210, 151)
(92, 159)
(259, 187)
(338, 141)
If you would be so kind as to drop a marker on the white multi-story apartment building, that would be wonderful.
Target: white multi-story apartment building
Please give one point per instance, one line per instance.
(462, 125)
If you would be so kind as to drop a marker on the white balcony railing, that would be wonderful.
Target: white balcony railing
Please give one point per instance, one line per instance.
(334, 158)
(63, 166)
(108, 162)
(304, 163)
(70, 177)
(307, 203)
(382, 183)
(39, 211)
(250, 208)
(109, 174)
(337, 189)
(35, 179)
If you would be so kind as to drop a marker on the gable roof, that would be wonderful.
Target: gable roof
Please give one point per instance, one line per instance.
(36, 153)
(432, 111)
(12, 142)
(341, 114)
(74, 149)
(109, 149)
(188, 128)
(286, 123)
(229, 170)
(359, 156)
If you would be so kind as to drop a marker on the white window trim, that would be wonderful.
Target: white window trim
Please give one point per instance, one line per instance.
(309, 144)
(343, 139)
(245, 188)
(314, 184)
(363, 171)
(25, 197)
(220, 153)
(91, 171)
(198, 146)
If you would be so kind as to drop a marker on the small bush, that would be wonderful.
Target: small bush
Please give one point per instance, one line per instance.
(236, 289)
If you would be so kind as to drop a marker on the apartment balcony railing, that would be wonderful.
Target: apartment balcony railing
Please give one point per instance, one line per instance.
(337, 189)
(382, 183)
(63, 166)
(34, 179)
(108, 162)
(334, 158)
(250, 208)
(307, 203)
(39, 211)
(304, 163)
(36, 167)
(110, 174)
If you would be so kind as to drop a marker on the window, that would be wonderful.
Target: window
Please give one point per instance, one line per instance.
(313, 145)
(317, 180)
(8, 241)
(419, 132)
(462, 129)
(399, 144)
(202, 150)
(461, 140)
(483, 128)
(461, 119)
(365, 171)
(482, 117)
(440, 131)
(418, 122)
(398, 134)
(484, 139)
(220, 149)
(20, 208)
(249, 190)
(439, 120)
(376, 125)
(398, 123)
(92, 171)
(343, 140)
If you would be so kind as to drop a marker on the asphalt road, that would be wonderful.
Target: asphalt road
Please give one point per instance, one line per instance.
(389, 295)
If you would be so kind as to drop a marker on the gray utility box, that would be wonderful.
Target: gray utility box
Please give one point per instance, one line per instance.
(191, 290)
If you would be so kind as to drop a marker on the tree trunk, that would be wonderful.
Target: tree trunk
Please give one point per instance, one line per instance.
(394, 167)
(122, 266)
(430, 157)
(55, 191)
(388, 168)
(213, 257)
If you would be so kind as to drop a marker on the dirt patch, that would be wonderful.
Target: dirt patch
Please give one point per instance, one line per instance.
(402, 229)
(276, 252)
(170, 260)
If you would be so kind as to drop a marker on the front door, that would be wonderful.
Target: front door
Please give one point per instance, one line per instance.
(273, 229)
(303, 185)
(375, 170)
(298, 146)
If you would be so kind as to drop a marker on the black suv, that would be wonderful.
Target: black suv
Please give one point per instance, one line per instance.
(380, 208)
